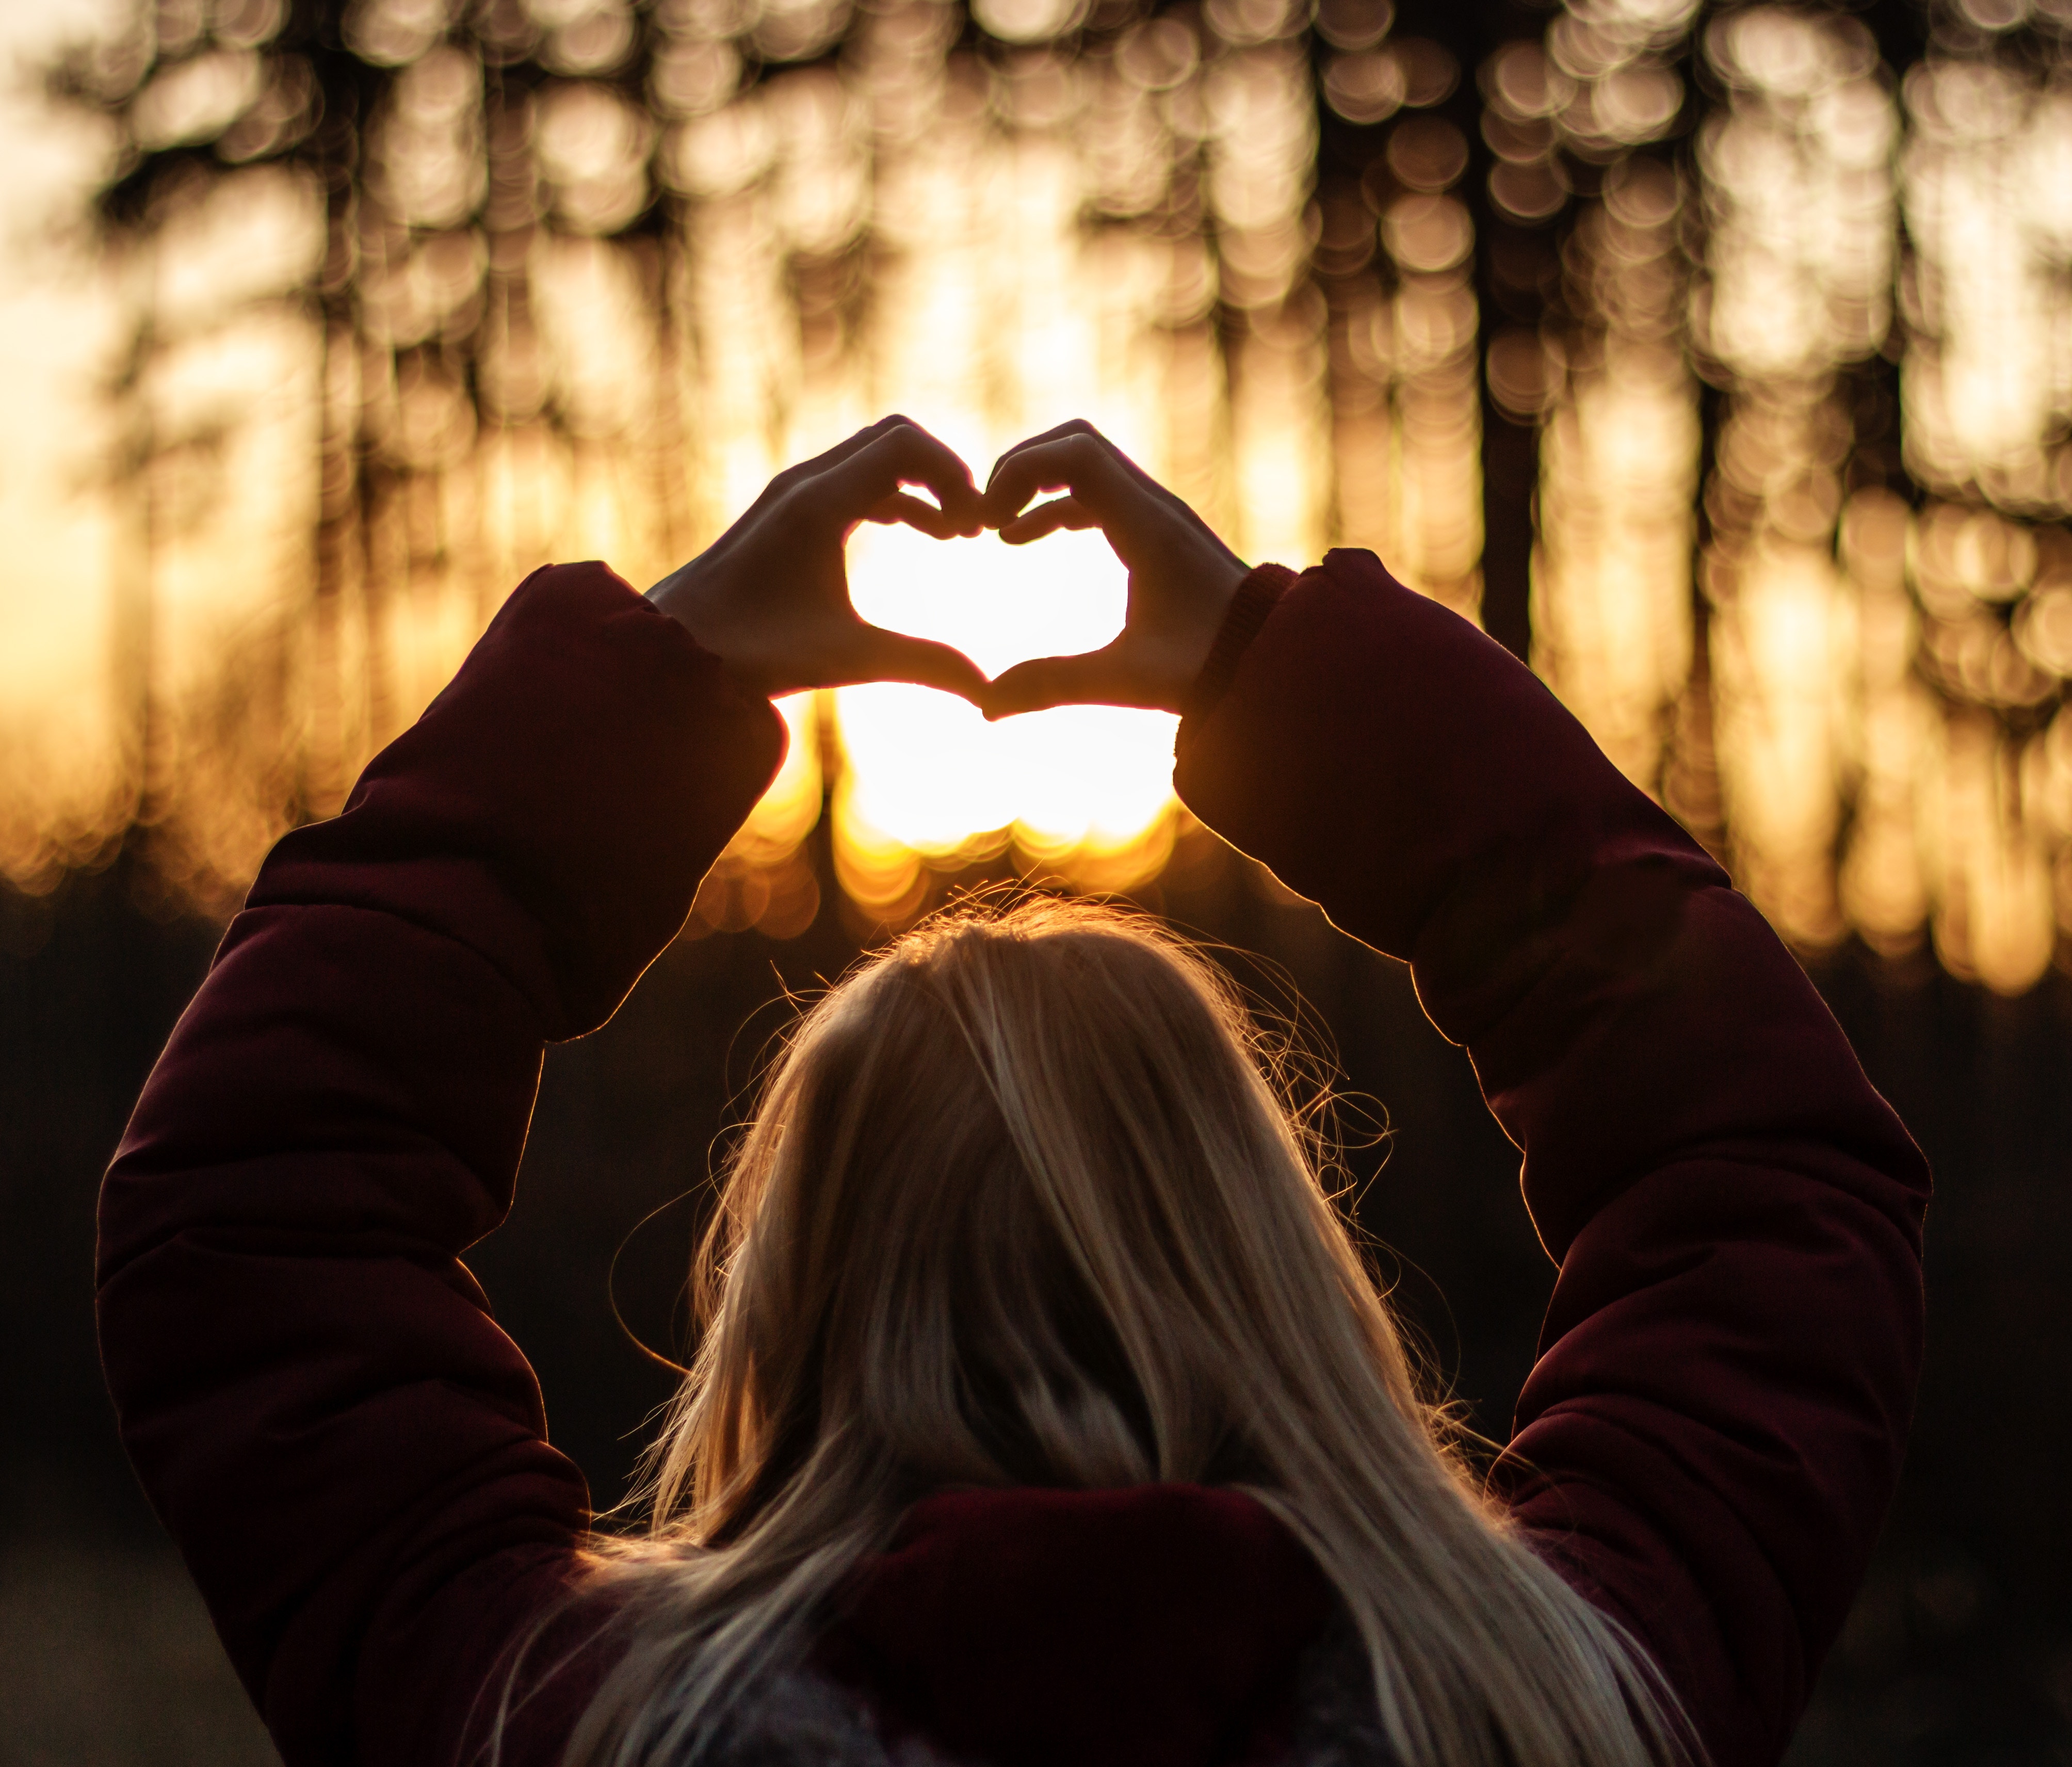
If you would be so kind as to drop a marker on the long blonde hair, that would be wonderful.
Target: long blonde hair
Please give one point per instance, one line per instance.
(1024, 1202)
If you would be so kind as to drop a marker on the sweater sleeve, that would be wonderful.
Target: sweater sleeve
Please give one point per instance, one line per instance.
(350, 1455)
(1709, 1439)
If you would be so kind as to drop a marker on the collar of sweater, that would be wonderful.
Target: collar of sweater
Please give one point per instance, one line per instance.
(1154, 1626)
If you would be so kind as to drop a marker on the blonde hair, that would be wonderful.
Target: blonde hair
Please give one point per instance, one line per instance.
(1026, 1202)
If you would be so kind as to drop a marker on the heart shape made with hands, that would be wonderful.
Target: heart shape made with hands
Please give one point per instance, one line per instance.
(789, 596)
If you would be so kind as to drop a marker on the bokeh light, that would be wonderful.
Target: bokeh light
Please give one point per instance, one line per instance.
(1727, 352)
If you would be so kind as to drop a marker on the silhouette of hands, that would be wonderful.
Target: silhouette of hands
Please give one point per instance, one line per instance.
(770, 598)
(1182, 577)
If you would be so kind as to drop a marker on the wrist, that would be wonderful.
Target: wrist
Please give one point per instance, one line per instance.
(676, 595)
(691, 597)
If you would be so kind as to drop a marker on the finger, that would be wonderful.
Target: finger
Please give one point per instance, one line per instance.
(1079, 426)
(894, 656)
(1076, 426)
(785, 482)
(841, 450)
(1080, 464)
(905, 455)
(1047, 518)
(900, 508)
(1095, 677)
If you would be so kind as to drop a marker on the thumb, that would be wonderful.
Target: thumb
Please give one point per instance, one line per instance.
(894, 656)
(1095, 677)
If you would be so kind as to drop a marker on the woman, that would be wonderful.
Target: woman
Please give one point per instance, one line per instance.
(1044, 1413)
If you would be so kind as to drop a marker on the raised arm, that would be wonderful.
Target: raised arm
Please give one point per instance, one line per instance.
(1709, 1440)
(350, 1455)
(307, 1379)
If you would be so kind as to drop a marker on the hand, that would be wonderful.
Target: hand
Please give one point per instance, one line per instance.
(1182, 577)
(770, 597)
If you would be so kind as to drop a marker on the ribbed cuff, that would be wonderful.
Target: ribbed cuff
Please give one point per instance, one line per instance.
(1264, 585)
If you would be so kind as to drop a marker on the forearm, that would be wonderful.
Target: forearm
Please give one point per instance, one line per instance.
(1399, 768)
(1715, 1424)
(306, 1377)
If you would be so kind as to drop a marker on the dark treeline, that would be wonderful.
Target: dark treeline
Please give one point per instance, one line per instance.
(326, 96)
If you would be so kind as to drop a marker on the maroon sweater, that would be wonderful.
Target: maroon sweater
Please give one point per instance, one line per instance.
(353, 1457)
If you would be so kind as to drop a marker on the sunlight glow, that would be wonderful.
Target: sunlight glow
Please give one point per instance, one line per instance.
(1787, 331)
(927, 774)
(1613, 625)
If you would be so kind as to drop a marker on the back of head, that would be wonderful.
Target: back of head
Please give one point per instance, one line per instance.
(1020, 1207)
(1023, 1205)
